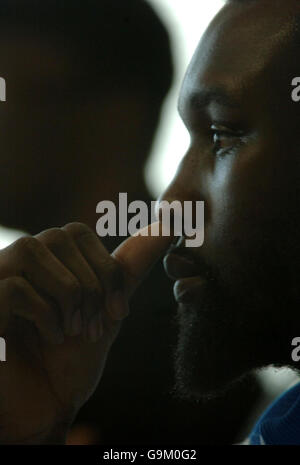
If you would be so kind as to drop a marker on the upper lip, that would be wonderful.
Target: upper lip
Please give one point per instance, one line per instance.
(180, 262)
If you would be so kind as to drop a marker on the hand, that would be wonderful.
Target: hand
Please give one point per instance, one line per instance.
(62, 300)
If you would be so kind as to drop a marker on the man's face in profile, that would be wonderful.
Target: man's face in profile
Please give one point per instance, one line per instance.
(238, 302)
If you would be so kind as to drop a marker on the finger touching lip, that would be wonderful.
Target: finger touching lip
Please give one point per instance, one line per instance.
(178, 266)
(139, 253)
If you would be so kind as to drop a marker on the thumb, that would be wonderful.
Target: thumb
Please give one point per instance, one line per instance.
(140, 252)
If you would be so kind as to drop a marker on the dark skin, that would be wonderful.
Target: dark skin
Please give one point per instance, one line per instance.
(242, 312)
(63, 298)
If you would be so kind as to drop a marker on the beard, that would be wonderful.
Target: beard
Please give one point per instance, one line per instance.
(222, 338)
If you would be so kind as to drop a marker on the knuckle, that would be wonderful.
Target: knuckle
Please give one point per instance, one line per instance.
(78, 229)
(27, 246)
(55, 236)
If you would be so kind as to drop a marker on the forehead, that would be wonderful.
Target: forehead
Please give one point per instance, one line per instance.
(240, 45)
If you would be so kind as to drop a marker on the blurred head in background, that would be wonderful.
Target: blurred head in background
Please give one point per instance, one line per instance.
(85, 83)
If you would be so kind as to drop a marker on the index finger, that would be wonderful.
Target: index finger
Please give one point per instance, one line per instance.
(140, 252)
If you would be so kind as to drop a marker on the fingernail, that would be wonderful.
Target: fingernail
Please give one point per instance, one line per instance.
(76, 324)
(95, 328)
(118, 306)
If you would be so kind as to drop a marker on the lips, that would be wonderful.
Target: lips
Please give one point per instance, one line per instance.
(187, 290)
(179, 266)
(187, 273)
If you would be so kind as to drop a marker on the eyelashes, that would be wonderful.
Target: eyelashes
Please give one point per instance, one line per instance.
(225, 140)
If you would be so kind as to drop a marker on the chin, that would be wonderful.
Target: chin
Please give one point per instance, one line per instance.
(203, 366)
(215, 348)
(227, 330)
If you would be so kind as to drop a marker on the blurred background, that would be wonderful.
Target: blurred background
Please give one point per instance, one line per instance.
(92, 90)
(186, 21)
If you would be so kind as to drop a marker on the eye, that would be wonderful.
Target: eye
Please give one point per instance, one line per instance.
(225, 140)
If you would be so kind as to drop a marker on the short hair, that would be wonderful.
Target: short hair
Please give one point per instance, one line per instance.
(119, 41)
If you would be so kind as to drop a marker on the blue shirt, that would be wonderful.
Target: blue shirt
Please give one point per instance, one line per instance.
(280, 423)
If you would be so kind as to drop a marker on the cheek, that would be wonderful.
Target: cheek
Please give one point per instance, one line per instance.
(246, 191)
(222, 197)
(246, 227)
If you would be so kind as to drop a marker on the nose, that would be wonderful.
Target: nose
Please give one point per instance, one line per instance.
(183, 197)
(171, 205)
(187, 185)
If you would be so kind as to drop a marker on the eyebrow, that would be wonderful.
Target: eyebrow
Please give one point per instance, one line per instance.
(201, 99)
